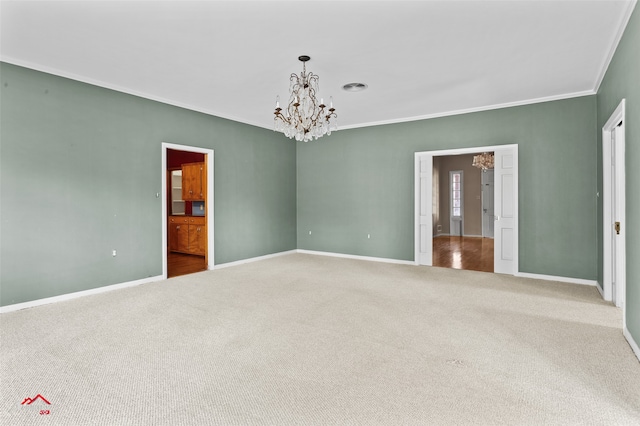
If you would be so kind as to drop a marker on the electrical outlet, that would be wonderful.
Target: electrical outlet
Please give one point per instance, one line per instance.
(368, 235)
(309, 232)
(114, 253)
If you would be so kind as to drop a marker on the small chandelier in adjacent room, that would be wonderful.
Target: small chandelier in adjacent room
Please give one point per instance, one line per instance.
(484, 161)
(304, 117)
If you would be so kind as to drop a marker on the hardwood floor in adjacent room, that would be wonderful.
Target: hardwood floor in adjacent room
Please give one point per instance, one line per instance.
(182, 264)
(469, 253)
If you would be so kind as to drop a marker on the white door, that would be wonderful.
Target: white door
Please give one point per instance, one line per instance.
(617, 208)
(487, 203)
(614, 229)
(506, 218)
(424, 197)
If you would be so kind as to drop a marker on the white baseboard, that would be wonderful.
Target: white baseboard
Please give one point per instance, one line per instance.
(554, 278)
(600, 290)
(69, 296)
(632, 342)
(253, 259)
(75, 295)
(352, 256)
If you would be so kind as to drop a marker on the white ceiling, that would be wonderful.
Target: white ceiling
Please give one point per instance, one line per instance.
(231, 58)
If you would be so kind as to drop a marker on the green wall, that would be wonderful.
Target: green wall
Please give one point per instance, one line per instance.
(80, 169)
(622, 81)
(361, 181)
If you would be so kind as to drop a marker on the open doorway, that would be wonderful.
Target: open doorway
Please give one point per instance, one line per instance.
(186, 201)
(187, 184)
(462, 202)
(505, 252)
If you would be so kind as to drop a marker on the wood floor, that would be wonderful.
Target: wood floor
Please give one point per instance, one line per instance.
(182, 264)
(469, 253)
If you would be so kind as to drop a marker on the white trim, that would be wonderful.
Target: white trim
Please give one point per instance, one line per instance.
(125, 90)
(210, 202)
(77, 294)
(472, 110)
(82, 293)
(632, 342)
(555, 278)
(600, 290)
(421, 191)
(254, 259)
(98, 83)
(614, 44)
(461, 151)
(353, 256)
(607, 233)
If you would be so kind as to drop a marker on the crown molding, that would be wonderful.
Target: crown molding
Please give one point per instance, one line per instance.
(94, 82)
(99, 83)
(614, 45)
(472, 110)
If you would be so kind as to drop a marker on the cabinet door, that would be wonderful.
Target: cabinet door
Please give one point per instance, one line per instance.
(202, 240)
(178, 237)
(198, 171)
(197, 239)
(187, 182)
(192, 177)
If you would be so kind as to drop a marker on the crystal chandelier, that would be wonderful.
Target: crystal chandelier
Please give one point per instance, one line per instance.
(305, 118)
(484, 161)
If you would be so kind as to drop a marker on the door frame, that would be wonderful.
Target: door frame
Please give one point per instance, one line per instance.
(427, 206)
(210, 201)
(609, 183)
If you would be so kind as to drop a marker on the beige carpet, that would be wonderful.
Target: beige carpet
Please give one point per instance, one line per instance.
(314, 340)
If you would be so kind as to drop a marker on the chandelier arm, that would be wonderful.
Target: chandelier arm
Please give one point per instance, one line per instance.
(317, 116)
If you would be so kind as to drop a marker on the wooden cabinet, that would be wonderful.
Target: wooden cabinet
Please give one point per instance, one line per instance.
(198, 239)
(178, 235)
(194, 181)
(188, 234)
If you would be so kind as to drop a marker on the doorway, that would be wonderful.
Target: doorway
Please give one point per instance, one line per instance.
(200, 233)
(505, 205)
(614, 202)
(459, 240)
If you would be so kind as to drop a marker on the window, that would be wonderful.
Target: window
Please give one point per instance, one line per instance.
(455, 178)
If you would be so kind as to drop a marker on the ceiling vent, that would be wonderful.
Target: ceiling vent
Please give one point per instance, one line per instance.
(354, 87)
